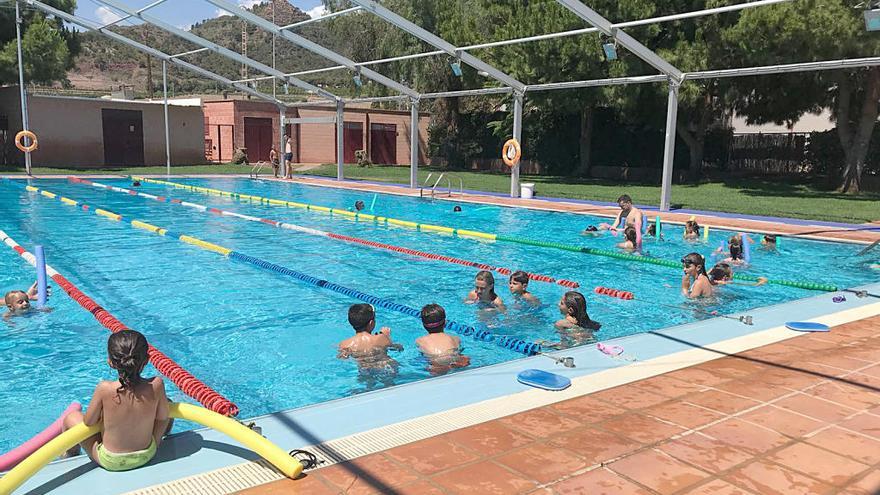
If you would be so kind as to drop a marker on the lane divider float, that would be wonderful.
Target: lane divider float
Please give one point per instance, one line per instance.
(507, 342)
(608, 253)
(331, 235)
(185, 381)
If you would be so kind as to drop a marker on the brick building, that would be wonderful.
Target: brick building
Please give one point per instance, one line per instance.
(250, 124)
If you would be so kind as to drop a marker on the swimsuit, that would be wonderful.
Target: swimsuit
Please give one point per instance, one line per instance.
(112, 461)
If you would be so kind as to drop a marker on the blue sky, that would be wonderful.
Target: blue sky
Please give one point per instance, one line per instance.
(181, 13)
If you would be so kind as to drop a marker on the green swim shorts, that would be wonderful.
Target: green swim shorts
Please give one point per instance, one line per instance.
(112, 461)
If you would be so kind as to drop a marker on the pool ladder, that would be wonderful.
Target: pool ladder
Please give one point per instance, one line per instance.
(440, 177)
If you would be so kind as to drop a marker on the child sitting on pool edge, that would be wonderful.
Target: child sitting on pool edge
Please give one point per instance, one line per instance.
(442, 350)
(18, 302)
(519, 287)
(364, 344)
(484, 291)
(134, 409)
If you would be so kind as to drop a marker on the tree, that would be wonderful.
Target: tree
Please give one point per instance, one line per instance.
(47, 46)
(814, 30)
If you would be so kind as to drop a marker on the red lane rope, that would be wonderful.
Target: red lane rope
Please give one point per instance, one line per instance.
(621, 294)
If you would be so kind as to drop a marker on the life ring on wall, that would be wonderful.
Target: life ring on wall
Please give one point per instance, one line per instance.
(511, 152)
(26, 134)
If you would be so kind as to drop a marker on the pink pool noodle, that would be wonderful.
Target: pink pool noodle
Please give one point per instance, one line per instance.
(10, 459)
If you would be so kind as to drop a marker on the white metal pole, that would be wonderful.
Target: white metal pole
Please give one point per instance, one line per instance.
(517, 134)
(167, 133)
(340, 129)
(24, 111)
(281, 147)
(669, 150)
(414, 143)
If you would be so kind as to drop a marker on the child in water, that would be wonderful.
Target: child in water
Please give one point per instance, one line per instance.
(722, 274)
(769, 241)
(365, 344)
(359, 205)
(630, 240)
(736, 251)
(134, 409)
(576, 323)
(484, 291)
(695, 282)
(691, 230)
(442, 350)
(519, 287)
(18, 302)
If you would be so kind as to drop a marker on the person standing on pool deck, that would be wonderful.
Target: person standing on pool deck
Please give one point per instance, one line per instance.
(273, 159)
(288, 156)
(364, 344)
(442, 350)
(484, 291)
(134, 409)
(631, 214)
(695, 282)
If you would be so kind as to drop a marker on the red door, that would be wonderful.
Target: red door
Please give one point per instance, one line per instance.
(352, 140)
(383, 143)
(257, 138)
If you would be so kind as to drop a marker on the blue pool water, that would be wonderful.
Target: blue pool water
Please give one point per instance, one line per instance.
(266, 341)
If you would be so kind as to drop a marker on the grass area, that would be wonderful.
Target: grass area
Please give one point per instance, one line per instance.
(771, 197)
(219, 168)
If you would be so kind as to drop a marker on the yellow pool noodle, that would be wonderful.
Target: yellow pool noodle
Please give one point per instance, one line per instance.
(288, 465)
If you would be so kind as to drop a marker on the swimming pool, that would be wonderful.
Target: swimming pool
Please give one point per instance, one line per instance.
(266, 341)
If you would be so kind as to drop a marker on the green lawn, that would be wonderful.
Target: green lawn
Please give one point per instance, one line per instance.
(771, 197)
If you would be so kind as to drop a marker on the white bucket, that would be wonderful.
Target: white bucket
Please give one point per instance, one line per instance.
(527, 190)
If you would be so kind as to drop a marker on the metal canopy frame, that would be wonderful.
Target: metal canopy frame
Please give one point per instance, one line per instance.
(510, 85)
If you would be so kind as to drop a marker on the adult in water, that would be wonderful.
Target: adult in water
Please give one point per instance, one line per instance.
(629, 213)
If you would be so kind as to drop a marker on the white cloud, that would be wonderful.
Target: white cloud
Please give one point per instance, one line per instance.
(221, 13)
(319, 11)
(106, 15)
(245, 4)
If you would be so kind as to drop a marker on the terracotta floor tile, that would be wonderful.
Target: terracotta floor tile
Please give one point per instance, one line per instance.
(367, 475)
(818, 463)
(770, 479)
(699, 377)
(594, 445)
(431, 455)
(872, 371)
(815, 408)
(682, 414)
(667, 386)
(307, 485)
(630, 397)
(848, 395)
(598, 482)
(783, 421)
(483, 478)
(735, 367)
(751, 438)
(587, 409)
(542, 462)
(489, 438)
(658, 471)
(720, 401)
(705, 453)
(540, 422)
(841, 361)
(866, 424)
(754, 389)
(868, 485)
(418, 488)
(718, 487)
(854, 446)
(795, 380)
(641, 428)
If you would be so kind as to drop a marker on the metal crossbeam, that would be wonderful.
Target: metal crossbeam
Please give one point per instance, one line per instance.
(440, 43)
(322, 18)
(117, 21)
(311, 46)
(220, 50)
(624, 39)
(93, 26)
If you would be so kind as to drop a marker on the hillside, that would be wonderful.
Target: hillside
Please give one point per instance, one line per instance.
(104, 64)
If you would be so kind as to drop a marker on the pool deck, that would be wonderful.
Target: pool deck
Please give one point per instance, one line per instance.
(800, 416)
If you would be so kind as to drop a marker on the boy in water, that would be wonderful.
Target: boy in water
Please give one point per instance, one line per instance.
(364, 344)
(442, 350)
(359, 205)
(18, 302)
(519, 287)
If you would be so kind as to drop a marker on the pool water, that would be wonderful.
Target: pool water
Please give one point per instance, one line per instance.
(268, 342)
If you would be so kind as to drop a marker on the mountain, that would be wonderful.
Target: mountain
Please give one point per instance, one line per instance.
(104, 64)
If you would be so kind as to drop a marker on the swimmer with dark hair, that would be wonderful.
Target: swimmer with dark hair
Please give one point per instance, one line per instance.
(695, 281)
(442, 351)
(768, 240)
(456, 208)
(358, 205)
(136, 183)
(722, 274)
(630, 240)
(519, 287)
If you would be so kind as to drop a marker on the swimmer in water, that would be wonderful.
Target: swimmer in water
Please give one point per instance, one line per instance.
(630, 239)
(695, 282)
(456, 209)
(519, 287)
(358, 205)
(484, 291)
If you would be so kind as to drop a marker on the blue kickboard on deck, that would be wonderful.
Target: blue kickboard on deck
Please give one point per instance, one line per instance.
(543, 380)
(807, 326)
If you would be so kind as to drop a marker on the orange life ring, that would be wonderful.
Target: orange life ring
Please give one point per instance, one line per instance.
(26, 134)
(512, 145)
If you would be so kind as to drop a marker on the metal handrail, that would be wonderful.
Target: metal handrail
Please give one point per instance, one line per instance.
(440, 177)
